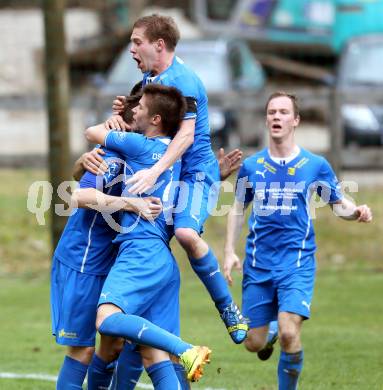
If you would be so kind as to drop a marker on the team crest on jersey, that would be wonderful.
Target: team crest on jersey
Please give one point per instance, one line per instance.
(261, 160)
(120, 135)
(291, 171)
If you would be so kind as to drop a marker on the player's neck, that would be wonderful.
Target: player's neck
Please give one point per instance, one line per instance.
(165, 59)
(153, 132)
(282, 149)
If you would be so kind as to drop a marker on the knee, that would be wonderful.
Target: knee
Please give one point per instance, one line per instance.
(187, 238)
(253, 343)
(81, 354)
(101, 315)
(288, 338)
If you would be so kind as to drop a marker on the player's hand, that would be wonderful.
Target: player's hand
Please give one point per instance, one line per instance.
(228, 163)
(148, 208)
(93, 162)
(363, 213)
(231, 261)
(142, 181)
(118, 105)
(116, 122)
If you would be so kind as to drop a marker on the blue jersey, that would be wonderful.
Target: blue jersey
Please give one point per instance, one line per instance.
(140, 152)
(281, 234)
(180, 76)
(86, 242)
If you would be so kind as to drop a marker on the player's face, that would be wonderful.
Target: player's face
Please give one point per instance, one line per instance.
(141, 115)
(144, 52)
(280, 119)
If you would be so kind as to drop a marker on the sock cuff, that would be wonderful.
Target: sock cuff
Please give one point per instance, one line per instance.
(74, 364)
(104, 327)
(294, 357)
(196, 261)
(158, 366)
(178, 367)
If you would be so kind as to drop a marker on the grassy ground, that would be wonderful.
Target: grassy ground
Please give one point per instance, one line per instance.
(343, 342)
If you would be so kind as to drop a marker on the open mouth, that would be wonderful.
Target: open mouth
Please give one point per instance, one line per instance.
(277, 127)
(138, 61)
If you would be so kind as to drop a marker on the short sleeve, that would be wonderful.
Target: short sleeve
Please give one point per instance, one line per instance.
(129, 144)
(328, 187)
(189, 89)
(243, 187)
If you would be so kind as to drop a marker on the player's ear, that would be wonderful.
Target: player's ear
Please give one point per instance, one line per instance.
(160, 45)
(156, 120)
(297, 120)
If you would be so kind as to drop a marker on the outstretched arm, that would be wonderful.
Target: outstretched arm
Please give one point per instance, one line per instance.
(235, 221)
(149, 208)
(348, 211)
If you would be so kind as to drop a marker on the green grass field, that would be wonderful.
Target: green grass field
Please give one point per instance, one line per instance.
(343, 341)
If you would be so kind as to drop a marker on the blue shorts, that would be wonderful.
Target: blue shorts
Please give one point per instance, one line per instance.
(145, 281)
(198, 195)
(74, 297)
(265, 293)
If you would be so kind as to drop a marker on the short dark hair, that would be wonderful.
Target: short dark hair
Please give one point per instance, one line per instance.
(293, 98)
(167, 102)
(130, 102)
(159, 27)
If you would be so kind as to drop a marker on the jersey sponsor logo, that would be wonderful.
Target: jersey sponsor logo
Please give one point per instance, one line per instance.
(67, 335)
(301, 162)
(269, 167)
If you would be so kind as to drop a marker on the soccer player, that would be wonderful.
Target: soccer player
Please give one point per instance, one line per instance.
(139, 300)
(154, 39)
(81, 261)
(279, 267)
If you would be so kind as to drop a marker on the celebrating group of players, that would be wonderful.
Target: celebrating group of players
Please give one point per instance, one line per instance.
(153, 176)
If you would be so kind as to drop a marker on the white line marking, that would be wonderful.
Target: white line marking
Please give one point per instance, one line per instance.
(52, 378)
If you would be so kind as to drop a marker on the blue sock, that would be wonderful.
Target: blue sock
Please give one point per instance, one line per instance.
(99, 374)
(207, 269)
(128, 370)
(163, 376)
(72, 374)
(273, 330)
(289, 368)
(181, 375)
(140, 331)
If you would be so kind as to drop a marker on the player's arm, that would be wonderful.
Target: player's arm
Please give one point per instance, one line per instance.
(91, 198)
(235, 221)
(145, 179)
(348, 211)
(97, 134)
